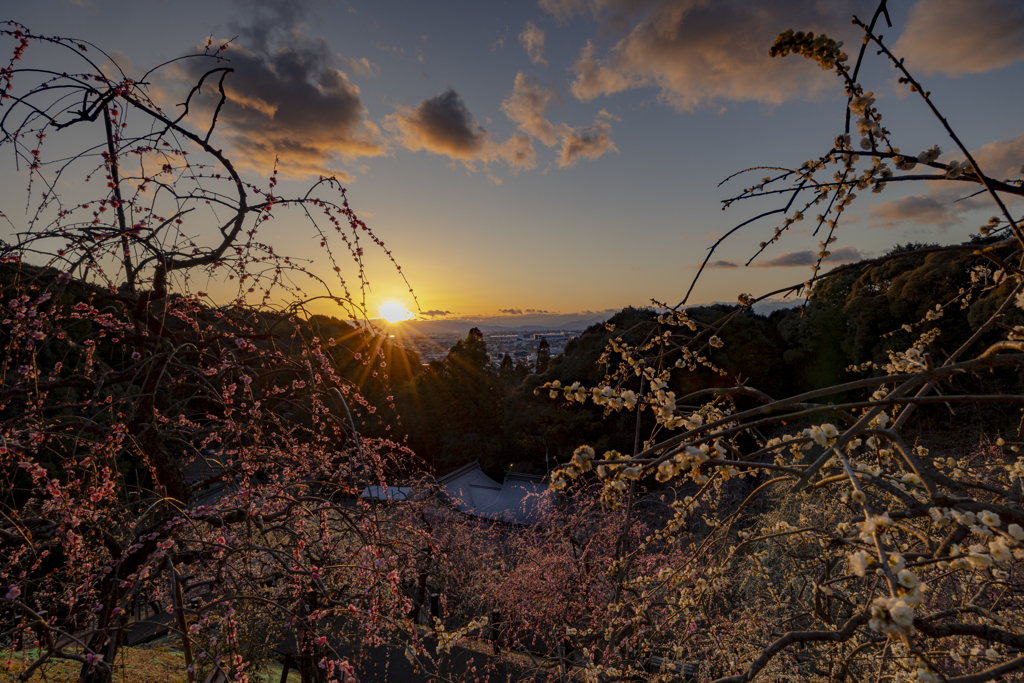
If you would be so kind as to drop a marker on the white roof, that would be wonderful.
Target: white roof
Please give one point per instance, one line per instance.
(519, 500)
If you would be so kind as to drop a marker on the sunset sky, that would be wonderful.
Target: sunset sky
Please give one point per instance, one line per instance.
(565, 155)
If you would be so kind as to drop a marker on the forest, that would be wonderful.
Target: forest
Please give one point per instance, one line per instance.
(463, 409)
(831, 492)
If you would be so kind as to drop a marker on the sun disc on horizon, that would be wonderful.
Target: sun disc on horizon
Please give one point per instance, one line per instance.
(394, 312)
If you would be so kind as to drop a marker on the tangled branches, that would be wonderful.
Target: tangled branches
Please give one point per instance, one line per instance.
(166, 459)
(822, 540)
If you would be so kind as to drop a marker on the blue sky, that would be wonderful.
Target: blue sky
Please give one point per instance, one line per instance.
(565, 155)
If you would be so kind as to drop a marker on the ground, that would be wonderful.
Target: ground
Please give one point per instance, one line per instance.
(157, 661)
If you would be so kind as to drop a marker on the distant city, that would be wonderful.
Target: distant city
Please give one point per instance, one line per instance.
(517, 335)
(521, 346)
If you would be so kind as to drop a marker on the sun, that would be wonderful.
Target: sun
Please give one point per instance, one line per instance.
(394, 311)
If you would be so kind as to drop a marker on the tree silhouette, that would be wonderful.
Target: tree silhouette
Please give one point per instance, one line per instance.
(507, 371)
(543, 356)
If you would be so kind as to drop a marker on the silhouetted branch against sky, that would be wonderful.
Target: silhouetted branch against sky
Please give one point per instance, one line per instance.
(523, 147)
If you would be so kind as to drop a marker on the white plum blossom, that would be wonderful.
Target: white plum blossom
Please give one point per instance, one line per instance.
(1000, 553)
(873, 525)
(980, 560)
(629, 399)
(989, 518)
(965, 518)
(859, 105)
(929, 155)
(892, 616)
(859, 562)
(907, 579)
(817, 435)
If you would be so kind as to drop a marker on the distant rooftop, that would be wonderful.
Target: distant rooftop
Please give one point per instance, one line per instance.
(391, 494)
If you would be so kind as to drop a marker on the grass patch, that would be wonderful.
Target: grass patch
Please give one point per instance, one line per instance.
(157, 661)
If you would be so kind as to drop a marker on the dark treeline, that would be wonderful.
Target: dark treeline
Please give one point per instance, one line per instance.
(462, 409)
(199, 334)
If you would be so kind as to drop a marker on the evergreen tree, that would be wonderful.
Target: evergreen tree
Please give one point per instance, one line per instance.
(454, 410)
(543, 356)
(507, 371)
(522, 371)
(469, 354)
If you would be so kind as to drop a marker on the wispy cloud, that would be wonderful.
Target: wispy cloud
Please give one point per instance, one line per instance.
(564, 10)
(936, 211)
(527, 106)
(532, 39)
(588, 142)
(795, 259)
(724, 263)
(518, 153)
(360, 67)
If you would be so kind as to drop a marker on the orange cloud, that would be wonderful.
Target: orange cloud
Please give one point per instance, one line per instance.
(699, 53)
(589, 142)
(956, 37)
(944, 204)
(527, 105)
(518, 153)
(442, 125)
